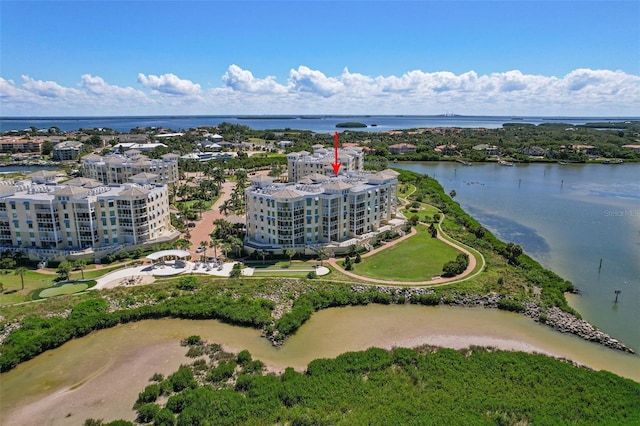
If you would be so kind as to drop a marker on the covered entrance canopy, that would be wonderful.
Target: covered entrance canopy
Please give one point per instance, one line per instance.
(168, 254)
(168, 262)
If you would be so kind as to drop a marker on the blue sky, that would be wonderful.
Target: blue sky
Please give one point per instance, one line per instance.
(331, 57)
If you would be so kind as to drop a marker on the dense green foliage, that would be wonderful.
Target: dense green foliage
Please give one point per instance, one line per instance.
(406, 386)
(37, 335)
(350, 124)
(466, 229)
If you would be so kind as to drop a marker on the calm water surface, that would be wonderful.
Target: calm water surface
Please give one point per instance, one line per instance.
(315, 123)
(91, 364)
(568, 218)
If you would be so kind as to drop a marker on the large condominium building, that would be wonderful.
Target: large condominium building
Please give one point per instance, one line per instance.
(67, 150)
(333, 212)
(12, 144)
(303, 163)
(120, 168)
(82, 217)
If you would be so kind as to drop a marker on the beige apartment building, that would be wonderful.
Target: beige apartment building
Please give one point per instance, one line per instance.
(120, 168)
(82, 217)
(320, 211)
(303, 163)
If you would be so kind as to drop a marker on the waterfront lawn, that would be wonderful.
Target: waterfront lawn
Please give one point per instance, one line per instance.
(13, 292)
(425, 212)
(418, 258)
(297, 269)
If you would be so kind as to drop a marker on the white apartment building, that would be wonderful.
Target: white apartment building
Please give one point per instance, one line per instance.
(82, 217)
(119, 168)
(334, 212)
(303, 163)
(67, 150)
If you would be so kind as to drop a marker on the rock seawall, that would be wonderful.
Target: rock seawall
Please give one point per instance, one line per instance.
(553, 317)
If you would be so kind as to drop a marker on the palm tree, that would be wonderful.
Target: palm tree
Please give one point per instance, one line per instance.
(224, 207)
(262, 254)
(322, 254)
(290, 253)
(218, 177)
(21, 270)
(214, 245)
(80, 264)
(64, 269)
(235, 244)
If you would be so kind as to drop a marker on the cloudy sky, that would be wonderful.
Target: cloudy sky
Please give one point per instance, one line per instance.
(571, 58)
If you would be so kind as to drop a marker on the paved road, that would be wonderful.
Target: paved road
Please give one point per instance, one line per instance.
(204, 226)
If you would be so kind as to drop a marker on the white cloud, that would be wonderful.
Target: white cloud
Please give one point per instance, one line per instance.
(169, 84)
(97, 86)
(307, 91)
(49, 89)
(305, 79)
(241, 80)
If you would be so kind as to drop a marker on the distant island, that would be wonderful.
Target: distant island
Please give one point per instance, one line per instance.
(350, 124)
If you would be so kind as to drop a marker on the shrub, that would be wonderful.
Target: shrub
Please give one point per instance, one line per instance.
(149, 394)
(187, 283)
(147, 412)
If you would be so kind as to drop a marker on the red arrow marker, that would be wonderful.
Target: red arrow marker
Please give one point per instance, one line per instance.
(336, 164)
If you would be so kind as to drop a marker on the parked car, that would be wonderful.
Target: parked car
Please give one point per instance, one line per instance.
(200, 249)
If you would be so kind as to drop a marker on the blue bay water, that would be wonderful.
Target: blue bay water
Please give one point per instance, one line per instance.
(568, 218)
(315, 123)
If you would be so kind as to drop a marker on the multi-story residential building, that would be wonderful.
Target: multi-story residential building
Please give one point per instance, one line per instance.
(12, 144)
(334, 212)
(119, 168)
(402, 148)
(67, 150)
(303, 163)
(82, 217)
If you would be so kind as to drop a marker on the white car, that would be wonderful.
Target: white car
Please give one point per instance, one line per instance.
(200, 249)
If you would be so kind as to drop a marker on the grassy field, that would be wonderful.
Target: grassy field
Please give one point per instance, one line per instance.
(33, 281)
(13, 292)
(419, 258)
(425, 212)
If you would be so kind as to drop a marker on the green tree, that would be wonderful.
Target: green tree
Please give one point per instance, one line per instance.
(321, 252)
(80, 264)
(64, 269)
(452, 193)
(511, 252)
(290, 253)
(47, 148)
(262, 254)
(7, 263)
(21, 270)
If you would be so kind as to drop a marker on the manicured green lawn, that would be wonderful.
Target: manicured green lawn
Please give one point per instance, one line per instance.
(68, 288)
(13, 286)
(282, 265)
(190, 203)
(425, 212)
(418, 258)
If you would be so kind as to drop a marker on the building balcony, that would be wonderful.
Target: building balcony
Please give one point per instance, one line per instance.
(51, 238)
